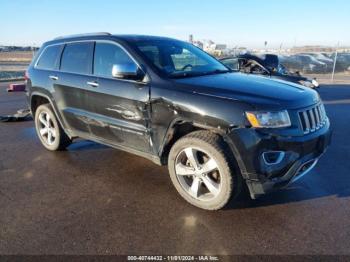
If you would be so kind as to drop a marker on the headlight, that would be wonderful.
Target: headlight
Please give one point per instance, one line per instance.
(269, 119)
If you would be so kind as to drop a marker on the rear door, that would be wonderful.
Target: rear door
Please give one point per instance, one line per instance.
(45, 69)
(120, 106)
(71, 85)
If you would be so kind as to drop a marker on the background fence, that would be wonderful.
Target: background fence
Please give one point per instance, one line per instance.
(318, 64)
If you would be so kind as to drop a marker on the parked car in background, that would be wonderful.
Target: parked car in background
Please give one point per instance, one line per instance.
(321, 58)
(307, 64)
(171, 102)
(269, 66)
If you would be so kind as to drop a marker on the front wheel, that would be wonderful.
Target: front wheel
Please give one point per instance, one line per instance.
(202, 170)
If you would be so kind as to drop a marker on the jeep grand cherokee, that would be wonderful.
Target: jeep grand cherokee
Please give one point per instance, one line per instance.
(174, 104)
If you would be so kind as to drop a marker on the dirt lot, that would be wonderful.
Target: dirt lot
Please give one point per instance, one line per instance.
(17, 56)
(92, 199)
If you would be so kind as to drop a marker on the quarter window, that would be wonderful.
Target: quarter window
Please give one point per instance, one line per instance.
(48, 60)
(77, 58)
(232, 63)
(107, 55)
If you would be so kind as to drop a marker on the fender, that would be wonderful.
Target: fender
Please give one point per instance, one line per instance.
(218, 130)
(58, 115)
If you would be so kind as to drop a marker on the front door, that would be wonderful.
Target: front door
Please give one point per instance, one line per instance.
(120, 107)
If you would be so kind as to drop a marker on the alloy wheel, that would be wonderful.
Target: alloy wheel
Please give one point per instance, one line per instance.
(198, 174)
(47, 129)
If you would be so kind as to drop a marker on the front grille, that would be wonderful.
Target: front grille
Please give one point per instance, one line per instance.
(313, 118)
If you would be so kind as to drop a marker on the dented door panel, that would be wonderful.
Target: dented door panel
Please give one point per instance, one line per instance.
(120, 112)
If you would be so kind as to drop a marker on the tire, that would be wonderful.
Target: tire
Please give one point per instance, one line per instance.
(218, 178)
(48, 129)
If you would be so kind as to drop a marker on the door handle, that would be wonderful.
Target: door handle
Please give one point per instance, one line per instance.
(53, 77)
(93, 84)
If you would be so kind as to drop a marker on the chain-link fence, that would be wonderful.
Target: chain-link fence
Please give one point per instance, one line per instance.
(327, 66)
(317, 63)
(334, 66)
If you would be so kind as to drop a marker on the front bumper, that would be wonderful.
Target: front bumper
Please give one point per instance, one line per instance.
(300, 155)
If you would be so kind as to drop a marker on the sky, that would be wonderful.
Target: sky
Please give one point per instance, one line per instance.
(233, 22)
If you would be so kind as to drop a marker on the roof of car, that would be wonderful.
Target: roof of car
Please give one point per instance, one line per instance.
(142, 37)
(125, 37)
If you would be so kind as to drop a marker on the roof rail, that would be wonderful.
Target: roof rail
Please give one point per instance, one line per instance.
(78, 35)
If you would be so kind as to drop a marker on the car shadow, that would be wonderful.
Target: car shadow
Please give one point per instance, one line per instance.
(85, 145)
(292, 194)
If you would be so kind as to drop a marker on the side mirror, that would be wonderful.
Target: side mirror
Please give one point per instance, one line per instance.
(127, 71)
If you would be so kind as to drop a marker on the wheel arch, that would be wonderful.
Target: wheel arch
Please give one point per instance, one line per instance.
(181, 128)
(37, 99)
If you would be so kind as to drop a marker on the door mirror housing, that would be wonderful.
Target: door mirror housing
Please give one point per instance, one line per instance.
(127, 71)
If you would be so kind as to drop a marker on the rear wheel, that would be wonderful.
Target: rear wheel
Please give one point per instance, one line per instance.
(49, 131)
(202, 170)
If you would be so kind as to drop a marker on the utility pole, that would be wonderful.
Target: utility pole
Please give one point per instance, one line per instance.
(280, 48)
(335, 61)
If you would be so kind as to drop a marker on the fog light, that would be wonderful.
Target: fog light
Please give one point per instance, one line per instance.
(273, 157)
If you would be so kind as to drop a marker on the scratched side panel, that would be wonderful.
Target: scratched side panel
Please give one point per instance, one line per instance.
(120, 113)
(175, 103)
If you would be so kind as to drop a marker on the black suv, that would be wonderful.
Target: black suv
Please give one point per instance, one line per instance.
(174, 104)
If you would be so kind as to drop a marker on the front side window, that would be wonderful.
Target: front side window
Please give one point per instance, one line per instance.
(107, 55)
(49, 58)
(77, 58)
(179, 59)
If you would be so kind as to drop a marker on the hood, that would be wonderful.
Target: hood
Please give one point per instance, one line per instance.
(256, 90)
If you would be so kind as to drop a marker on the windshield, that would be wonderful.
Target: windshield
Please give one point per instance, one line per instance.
(179, 59)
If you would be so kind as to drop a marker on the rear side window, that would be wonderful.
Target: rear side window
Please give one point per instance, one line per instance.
(77, 58)
(49, 58)
(107, 55)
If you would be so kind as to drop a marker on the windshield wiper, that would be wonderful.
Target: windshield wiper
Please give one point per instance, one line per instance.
(185, 74)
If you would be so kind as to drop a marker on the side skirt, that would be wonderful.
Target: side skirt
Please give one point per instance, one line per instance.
(155, 159)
